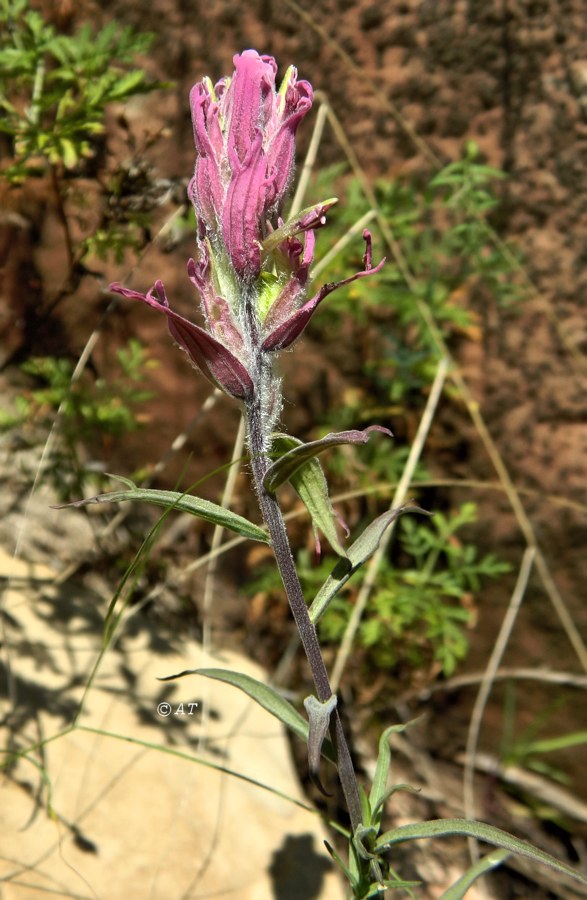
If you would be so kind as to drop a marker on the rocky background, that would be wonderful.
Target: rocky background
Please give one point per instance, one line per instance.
(411, 82)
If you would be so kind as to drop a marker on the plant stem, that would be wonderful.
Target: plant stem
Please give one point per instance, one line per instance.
(274, 521)
(62, 216)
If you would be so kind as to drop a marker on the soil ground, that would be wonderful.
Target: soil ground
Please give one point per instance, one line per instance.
(410, 83)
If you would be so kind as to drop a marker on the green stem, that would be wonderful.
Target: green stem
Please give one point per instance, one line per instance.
(274, 521)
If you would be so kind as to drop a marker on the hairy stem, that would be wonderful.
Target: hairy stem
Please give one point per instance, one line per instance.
(274, 521)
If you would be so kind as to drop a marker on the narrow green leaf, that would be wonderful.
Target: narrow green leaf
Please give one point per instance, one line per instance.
(379, 791)
(337, 859)
(188, 757)
(396, 884)
(128, 84)
(292, 226)
(355, 866)
(265, 696)
(379, 786)
(548, 745)
(358, 553)
(310, 484)
(366, 816)
(283, 468)
(400, 786)
(479, 830)
(486, 864)
(130, 484)
(195, 506)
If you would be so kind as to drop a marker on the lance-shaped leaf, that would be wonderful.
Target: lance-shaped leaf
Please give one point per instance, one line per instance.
(350, 877)
(282, 469)
(267, 697)
(479, 830)
(195, 506)
(318, 721)
(310, 484)
(358, 553)
(379, 790)
(459, 889)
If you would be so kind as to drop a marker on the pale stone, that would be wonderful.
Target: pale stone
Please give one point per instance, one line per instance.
(149, 824)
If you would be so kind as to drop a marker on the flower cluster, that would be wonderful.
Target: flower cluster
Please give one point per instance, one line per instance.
(252, 270)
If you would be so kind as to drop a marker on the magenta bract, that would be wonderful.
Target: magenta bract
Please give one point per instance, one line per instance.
(288, 324)
(213, 359)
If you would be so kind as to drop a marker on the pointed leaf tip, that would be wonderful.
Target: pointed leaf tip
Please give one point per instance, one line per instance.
(267, 697)
(318, 721)
(459, 889)
(283, 468)
(358, 553)
(217, 362)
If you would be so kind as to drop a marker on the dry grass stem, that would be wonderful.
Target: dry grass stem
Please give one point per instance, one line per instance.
(485, 690)
(398, 498)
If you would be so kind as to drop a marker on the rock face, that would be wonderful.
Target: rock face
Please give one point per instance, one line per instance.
(157, 793)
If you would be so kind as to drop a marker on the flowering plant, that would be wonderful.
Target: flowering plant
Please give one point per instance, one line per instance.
(252, 271)
(252, 275)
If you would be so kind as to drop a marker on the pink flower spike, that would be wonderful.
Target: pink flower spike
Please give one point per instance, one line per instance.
(287, 332)
(244, 135)
(211, 357)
